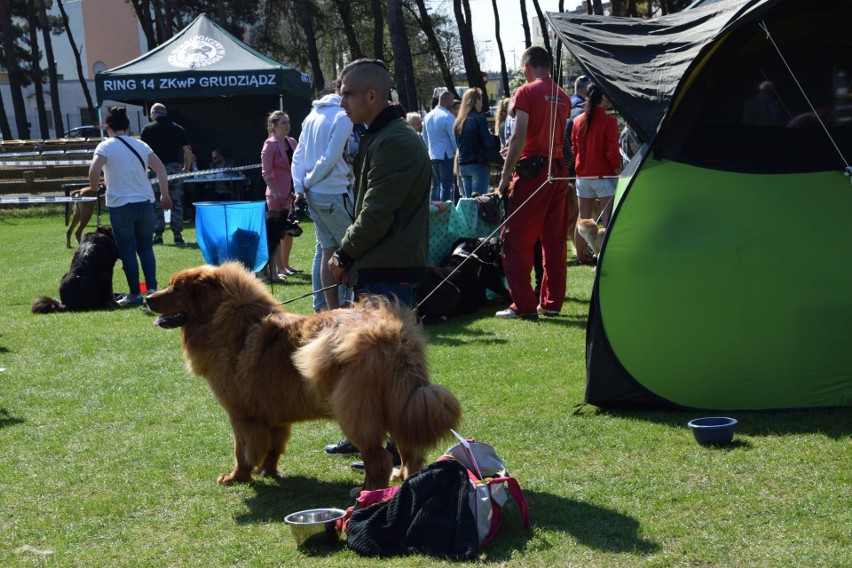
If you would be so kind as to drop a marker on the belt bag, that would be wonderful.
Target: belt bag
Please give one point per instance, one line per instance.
(530, 167)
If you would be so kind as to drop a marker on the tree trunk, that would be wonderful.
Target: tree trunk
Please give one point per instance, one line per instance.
(344, 8)
(631, 9)
(503, 72)
(403, 65)
(617, 7)
(10, 61)
(435, 46)
(35, 70)
(557, 59)
(143, 14)
(311, 40)
(80, 74)
(5, 128)
(471, 63)
(545, 35)
(597, 7)
(55, 106)
(378, 30)
(160, 25)
(526, 24)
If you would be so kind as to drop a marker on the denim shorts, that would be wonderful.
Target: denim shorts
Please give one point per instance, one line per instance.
(332, 215)
(596, 188)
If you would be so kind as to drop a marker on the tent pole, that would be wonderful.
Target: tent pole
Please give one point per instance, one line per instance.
(281, 102)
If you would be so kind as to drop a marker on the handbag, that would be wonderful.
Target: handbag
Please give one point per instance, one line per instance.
(530, 167)
(489, 207)
(492, 155)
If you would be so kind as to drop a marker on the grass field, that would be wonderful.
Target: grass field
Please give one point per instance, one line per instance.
(111, 449)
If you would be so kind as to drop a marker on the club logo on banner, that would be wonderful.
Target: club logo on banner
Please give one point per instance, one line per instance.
(197, 51)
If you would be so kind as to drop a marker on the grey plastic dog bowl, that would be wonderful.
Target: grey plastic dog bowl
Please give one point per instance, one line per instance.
(315, 527)
(713, 430)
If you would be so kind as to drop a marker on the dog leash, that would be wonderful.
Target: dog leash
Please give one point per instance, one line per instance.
(309, 294)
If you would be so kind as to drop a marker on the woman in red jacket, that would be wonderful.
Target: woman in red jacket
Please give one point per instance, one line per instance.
(594, 139)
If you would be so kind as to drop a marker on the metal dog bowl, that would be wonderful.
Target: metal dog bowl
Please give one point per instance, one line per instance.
(315, 527)
(713, 430)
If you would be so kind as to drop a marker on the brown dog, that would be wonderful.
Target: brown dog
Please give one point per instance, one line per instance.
(364, 367)
(82, 212)
(593, 234)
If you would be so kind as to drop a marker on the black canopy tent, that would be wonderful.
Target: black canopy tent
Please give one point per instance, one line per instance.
(216, 87)
(640, 63)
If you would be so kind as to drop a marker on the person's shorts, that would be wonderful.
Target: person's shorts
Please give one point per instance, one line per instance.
(332, 215)
(596, 188)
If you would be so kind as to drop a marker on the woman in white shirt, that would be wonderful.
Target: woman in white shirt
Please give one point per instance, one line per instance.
(130, 199)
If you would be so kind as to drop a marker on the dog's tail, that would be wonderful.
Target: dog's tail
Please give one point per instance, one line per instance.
(47, 305)
(428, 416)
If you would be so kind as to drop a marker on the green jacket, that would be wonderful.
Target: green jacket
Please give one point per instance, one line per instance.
(389, 239)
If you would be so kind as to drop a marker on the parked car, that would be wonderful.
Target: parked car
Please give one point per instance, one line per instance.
(84, 132)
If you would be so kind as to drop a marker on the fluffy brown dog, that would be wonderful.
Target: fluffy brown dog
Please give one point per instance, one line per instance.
(82, 212)
(364, 367)
(593, 234)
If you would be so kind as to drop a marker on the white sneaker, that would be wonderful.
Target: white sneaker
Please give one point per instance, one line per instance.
(130, 300)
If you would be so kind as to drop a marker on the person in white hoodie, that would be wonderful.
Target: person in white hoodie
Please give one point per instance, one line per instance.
(322, 175)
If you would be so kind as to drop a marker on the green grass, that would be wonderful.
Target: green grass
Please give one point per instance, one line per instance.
(111, 449)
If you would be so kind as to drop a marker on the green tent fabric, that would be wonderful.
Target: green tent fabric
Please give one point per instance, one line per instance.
(724, 282)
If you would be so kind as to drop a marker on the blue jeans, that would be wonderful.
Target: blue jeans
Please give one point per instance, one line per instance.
(404, 291)
(133, 229)
(442, 180)
(474, 178)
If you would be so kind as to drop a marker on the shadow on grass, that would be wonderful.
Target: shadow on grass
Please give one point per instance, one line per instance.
(592, 526)
(274, 500)
(831, 422)
(7, 419)
(443, 332)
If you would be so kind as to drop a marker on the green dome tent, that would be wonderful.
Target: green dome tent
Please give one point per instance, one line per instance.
(725, 280)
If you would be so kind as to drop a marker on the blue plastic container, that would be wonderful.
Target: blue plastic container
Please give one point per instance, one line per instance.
(232, 230)
(713, 430)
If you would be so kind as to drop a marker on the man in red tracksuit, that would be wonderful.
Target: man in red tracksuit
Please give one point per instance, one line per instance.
(537, 207)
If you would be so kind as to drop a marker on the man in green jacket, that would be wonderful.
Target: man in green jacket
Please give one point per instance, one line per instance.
(385, 249)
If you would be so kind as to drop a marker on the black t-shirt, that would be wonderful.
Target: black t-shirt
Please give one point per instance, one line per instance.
(166, 139)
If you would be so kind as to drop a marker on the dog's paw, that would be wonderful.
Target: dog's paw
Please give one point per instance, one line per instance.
(232, 478)
(269, 473)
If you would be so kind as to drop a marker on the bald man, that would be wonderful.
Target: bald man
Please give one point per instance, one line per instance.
(170, 143)
(441, 142)
(385, 249)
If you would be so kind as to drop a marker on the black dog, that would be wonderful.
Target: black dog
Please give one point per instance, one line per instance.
(88, 283)
(278, 225)
(462, 280)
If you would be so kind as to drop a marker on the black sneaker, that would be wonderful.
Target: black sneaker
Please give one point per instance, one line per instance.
(178, 239)
(342, 448)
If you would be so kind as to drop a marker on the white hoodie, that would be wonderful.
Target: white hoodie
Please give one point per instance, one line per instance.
(318, 162)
